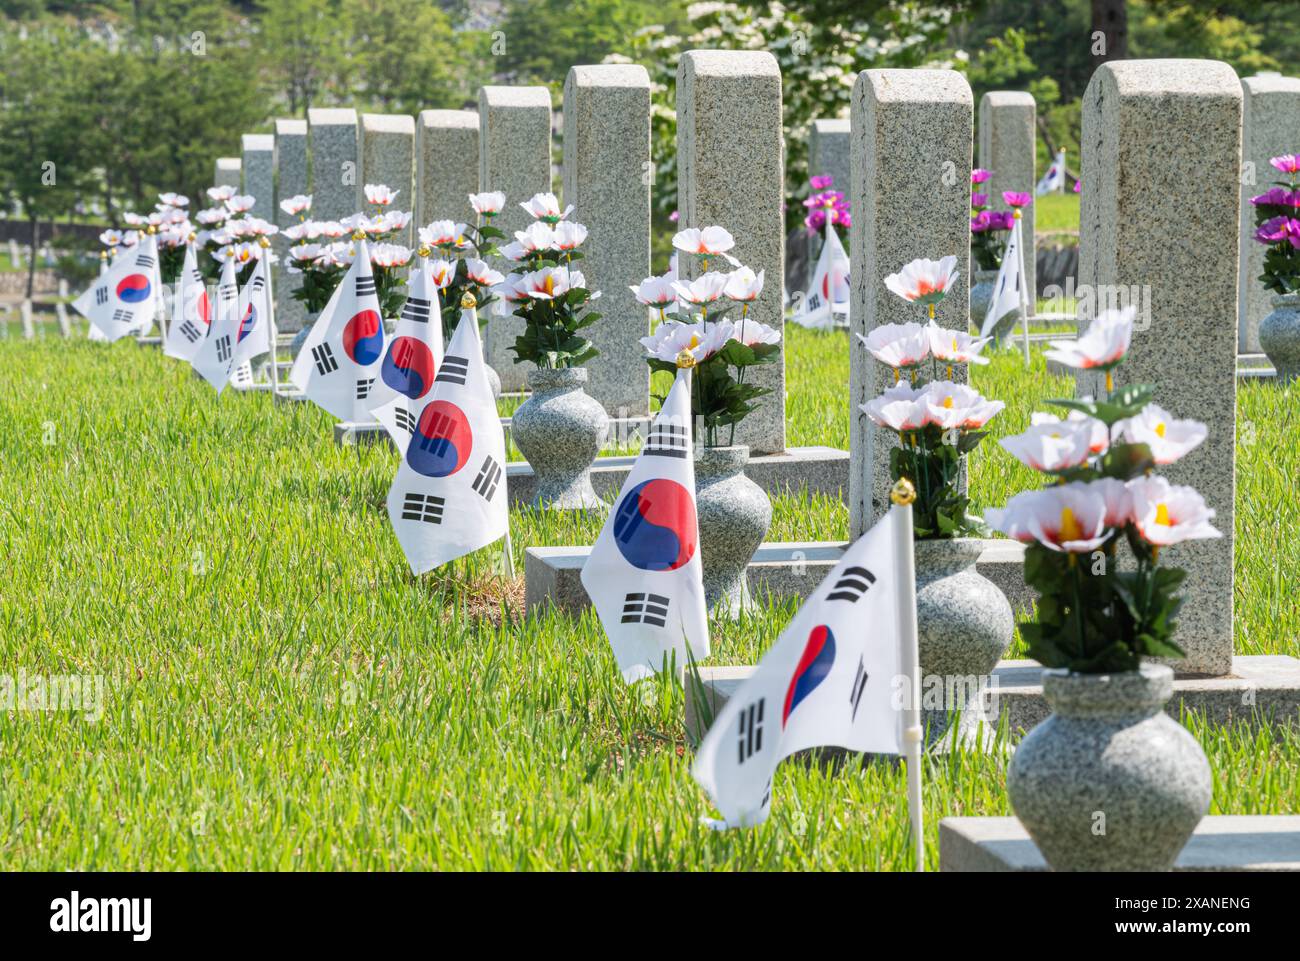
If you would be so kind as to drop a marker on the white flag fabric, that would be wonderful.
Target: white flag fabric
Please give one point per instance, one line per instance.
(414, 355)
(339, 360)
(191, 311)
(449, 495)
(124, 298)
(1008, 295)
(644, 574)
(93, 332)
(1054, 179)
(827, 297)
(253, 336)
(215, 358)
(834, 678)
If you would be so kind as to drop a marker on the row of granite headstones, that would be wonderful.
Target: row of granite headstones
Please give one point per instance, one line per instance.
(910, 150)
(1152, 128)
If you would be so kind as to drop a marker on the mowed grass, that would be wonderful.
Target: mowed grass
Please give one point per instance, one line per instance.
(282, 693)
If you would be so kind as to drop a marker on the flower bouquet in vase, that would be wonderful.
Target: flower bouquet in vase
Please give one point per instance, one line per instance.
(713, 335)
(559, 428)
(1094, 537)
(964, 623)
(1278, 229)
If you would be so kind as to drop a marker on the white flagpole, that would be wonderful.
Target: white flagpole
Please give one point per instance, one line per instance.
(1024, 286)
(902, 495)
(270, 317)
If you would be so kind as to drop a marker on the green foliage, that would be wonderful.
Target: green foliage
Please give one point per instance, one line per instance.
(551, 337)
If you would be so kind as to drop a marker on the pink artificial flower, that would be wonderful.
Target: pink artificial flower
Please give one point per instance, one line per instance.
(1016, 199)
(1288, 163)
(821, 183)
(979, 175)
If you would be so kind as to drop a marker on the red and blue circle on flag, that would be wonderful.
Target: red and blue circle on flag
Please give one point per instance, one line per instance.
(813, 667)
(655, 527)
(442, 440)
(408, 367)
(134, 289)
(363, 337)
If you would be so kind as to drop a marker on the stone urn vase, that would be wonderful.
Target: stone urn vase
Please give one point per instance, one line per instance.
(964, 627)
(1279, 337)
(560, 430)
(734, 515)
(1109, 782)
(981, 293)
(300, 337)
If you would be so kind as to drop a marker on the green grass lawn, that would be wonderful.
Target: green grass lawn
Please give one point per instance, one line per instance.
(1056, 212)
(281, 693)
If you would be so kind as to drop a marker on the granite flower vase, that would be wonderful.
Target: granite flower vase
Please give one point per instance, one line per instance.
(301, 336)
(560, 430)
(1279, 337)
(981, 294)
(1109, 782)
(733, 514)
(964, 627)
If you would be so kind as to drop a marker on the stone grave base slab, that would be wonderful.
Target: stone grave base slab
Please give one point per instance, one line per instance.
(622, 431)
(1221, 842)
(781, 570)
(1260, 687)
(149, 341)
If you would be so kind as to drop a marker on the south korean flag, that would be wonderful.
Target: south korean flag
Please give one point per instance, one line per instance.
(414, 354)
(159, 311)
(449, 496)
(124, 298)
(831, 679)
(191, 311)
(826, 302)
(215, 358)
(339, 361)
(253, 336)
(644, 574)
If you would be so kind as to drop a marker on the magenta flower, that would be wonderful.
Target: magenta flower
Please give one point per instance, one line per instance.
(979, 200)
(1277, 197)
(979, 175)
(1077, 185)
(673, 216)
(1014, 199)
(816, 220)
(1279, 229)
(821, 183)
(982, 221)
(1288, 163)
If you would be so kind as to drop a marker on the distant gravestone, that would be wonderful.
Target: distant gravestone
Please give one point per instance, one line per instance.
(607, 175)
(1008, 147)
(63, 288)
(1150, 128)
(258, 169)
(828, 152)
(731, 171)
(289, 165)
(515, 158)
(912, 141)
(61, 314)
(227, 173)
(446, 165)
(388, 157)
(335, 163)
(15, 255)
(29, 326)
(1270, 127)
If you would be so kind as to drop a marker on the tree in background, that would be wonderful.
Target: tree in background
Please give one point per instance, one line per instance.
(301, 49)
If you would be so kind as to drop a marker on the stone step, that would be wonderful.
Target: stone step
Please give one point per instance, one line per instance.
(1221, 842)
(1261, 686)
(623, 431)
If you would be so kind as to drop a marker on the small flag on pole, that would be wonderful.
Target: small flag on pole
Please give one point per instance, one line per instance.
(449, 496)
(1053, 181)
(339, 361)
(831, 679)
(215, 358)
(644, 574)
(124, 297)
(253, 335)
(405, 381)
(826, 302)
(1008, 290)
(191, 311)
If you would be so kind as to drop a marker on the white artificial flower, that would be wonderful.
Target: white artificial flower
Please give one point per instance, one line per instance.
(297, 204)
(487, 203)
(704, 290)
(567, 235)
(952, 405)
(924, 281)
(240, 203)
(390, 255)
(743, 285)
(709, 242)
(547, 283)
(1052, 446)
(955, 346)
(701, 340)
(1169, 439)
(443, 271)
(1165, 514)
(1103, 344)
(898, 345)
(546, 207)
(174, 200)
(483, 275)
(657, 292)
(900, 408)
(1098, 433)
(221, 194)
(1068, 517)
(381, 195)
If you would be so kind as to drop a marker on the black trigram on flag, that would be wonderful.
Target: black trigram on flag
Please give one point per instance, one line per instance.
(365, 286)
(751, 730)
(859, 685)
(243, 374)
(641, 608)
(489, 476)
(416, 309)
(123, 316)
(363, 387)
(426, 508)
(453, 370)
(223, 349)
(853, 583)
(258, 282)
(404, 419)
(813, 302)
(144, 262)
(101, 296)
(324, 357)
(228, 292)
(666, 440)
(189, 331)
